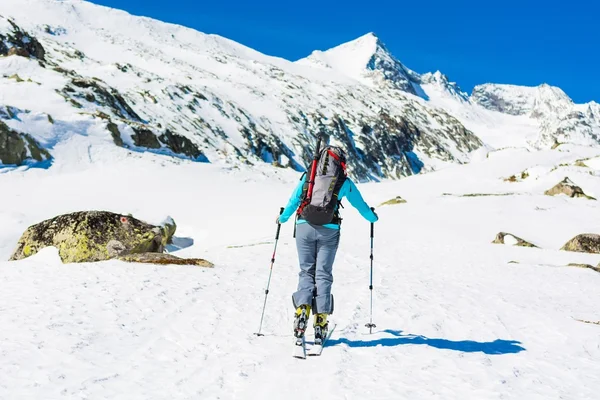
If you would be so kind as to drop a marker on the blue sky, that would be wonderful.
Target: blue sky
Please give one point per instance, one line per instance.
(520, 42)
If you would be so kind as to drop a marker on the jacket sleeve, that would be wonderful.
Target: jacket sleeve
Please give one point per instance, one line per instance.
(293, 203)
(357, 201)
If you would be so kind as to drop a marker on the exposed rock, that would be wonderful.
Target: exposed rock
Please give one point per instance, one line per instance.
(597, 269)
(96, 91)
(568, 188)
(514, 178)
(556, 144)
(16, 148)
(144, 137)
(395, 200)
(89, 236)
(510, 239)
(585, 243)
(20, 43)
(161, 258)
(115, 133)
(588, 322)
(180, 144)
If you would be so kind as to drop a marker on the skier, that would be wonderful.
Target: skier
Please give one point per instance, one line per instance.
(316, 202)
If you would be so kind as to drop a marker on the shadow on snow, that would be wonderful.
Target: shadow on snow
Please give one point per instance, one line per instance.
(498, 346)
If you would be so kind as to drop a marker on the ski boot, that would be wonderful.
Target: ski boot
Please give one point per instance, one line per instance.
(321, 327)
(301, 320)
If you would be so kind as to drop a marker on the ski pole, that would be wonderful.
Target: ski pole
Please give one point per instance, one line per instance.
(270, 273)
(371, 325)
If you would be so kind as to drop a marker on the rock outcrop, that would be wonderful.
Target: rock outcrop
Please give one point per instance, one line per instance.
(89, 236)
(17, 148)
(510, 239)
(17, 42)
(395, 200)
(567, 187)
(584, 243)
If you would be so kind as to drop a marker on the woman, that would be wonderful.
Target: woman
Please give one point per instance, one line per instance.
(317, 244)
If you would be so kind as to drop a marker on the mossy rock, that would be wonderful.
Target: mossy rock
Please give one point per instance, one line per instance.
(585, 243)
(165, 259)
(501, 238)
(567, 187)
(17, 78)
(391, 202)
(88, 236)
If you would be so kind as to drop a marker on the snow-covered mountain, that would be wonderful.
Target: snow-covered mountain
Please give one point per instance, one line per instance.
(560, 119)
(76, 76)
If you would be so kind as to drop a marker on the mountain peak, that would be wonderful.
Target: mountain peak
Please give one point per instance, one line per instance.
(366, 58)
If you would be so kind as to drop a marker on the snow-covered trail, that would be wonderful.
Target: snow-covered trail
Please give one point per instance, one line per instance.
(454, 318)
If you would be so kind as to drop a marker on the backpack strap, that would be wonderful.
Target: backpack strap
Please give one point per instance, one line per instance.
(337, 158)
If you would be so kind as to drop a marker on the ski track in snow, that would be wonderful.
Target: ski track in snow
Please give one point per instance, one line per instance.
(454, 318)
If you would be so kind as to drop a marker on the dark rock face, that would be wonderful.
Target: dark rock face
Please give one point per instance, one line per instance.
(585, 243)
(180, 145)
(20, 43)
(95, 91)
(144, 137)
(393, 70)
(89, 236)
(17, 148)
(386, 145)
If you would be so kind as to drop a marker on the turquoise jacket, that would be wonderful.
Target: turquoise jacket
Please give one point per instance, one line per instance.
(348, 190)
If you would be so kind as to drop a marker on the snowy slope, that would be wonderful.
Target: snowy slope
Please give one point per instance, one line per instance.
(160, 87)
(454, 318)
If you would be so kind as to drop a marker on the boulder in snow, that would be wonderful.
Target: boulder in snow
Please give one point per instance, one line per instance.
(395, 200)
(585, 243)
(512, 240)
(568, 188)
(89, 236)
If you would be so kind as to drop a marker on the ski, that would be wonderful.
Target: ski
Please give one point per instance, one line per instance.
(317, 349)
(299, 348)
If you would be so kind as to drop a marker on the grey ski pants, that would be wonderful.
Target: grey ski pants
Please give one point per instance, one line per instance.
(317, 247)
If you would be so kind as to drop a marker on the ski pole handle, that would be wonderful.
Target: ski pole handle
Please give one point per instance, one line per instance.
(372, 224)
(279, 224)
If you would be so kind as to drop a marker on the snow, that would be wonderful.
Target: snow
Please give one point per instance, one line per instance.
(454, 317)
(349, 59)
